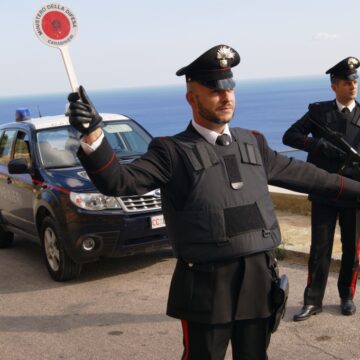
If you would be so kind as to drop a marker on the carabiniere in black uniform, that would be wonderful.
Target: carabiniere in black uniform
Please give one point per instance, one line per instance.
(219, 215)
(326, 210)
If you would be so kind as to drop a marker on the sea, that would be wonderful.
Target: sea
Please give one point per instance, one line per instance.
(267, 105)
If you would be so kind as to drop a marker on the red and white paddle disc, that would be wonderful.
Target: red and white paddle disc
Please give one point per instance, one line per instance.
(56, 25)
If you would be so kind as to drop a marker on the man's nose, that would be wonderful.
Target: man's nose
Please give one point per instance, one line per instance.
(227, 95)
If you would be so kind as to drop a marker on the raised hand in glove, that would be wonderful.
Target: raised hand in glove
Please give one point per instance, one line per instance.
(83, 115)
(329, 150)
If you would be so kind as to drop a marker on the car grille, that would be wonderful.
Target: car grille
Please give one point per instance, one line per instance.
(148, 202)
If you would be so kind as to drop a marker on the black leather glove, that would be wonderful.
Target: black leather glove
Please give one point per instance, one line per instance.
(83, 115)
(329, 150)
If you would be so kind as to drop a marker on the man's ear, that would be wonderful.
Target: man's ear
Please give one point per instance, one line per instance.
(190, 97)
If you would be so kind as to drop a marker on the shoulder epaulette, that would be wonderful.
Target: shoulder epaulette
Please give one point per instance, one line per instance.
(321, 105)
(257, 133)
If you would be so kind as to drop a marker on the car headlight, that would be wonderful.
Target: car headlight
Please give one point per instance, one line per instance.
(94, 201)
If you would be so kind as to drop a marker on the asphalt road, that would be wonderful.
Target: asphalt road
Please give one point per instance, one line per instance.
(116, 310)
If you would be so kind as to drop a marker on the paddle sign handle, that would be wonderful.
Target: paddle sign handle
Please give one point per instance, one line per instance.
(56, 26)
(69, 68)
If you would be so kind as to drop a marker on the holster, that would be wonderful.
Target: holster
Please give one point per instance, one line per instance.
(279, 294)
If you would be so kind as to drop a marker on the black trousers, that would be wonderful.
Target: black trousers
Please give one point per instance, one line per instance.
(323, 222)
(249, 340)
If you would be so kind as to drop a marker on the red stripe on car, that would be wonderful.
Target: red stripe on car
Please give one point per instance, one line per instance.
(65, 191)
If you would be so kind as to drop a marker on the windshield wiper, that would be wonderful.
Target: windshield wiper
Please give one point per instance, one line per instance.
(61, 166)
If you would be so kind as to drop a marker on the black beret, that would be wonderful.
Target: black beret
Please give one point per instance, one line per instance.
(345, 69)
(213, 68)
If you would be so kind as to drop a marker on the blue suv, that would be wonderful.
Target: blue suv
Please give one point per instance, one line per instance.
(46, 195)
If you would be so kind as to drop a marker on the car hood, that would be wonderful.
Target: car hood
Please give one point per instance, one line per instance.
(70, 179)
(73, 178)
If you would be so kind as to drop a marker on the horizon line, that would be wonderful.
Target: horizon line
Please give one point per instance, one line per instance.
(132, 88)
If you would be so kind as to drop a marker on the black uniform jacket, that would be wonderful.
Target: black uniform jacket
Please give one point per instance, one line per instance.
(326, 113)
(220, 292)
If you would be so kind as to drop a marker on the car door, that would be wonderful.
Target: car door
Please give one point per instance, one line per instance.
(6, 197)
(21, 212)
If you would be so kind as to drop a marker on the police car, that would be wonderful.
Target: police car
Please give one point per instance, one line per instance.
(46, 195)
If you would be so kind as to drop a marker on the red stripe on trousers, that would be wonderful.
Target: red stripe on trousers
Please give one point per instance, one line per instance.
(355, 274)
(185, 328)
(308, 278)
(341, 188)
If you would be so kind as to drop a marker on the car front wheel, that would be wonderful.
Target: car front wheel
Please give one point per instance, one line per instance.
(60, 266)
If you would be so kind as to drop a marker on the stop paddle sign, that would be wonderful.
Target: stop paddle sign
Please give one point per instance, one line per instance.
(56, 26)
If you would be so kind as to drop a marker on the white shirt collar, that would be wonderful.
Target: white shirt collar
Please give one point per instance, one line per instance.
(209, 135)
(341, 106)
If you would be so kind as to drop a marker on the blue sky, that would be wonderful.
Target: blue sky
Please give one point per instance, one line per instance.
(123, 44)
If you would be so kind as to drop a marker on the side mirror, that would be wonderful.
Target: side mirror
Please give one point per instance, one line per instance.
(18, 166)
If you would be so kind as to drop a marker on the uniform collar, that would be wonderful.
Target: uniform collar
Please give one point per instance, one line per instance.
(341, 106)
(209, 135)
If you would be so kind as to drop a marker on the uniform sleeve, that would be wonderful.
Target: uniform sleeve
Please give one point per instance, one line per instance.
(297, 135)
(304, 177)
(150, 171)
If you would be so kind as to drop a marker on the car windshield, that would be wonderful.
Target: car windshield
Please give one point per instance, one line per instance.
(58, 146)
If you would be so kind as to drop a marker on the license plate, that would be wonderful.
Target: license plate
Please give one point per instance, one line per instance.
(157, 221)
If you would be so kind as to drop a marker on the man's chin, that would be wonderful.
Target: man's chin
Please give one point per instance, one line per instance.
(219, 121)
(226, 119)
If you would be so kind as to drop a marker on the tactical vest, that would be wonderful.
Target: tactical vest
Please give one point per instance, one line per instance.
(228, 212)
